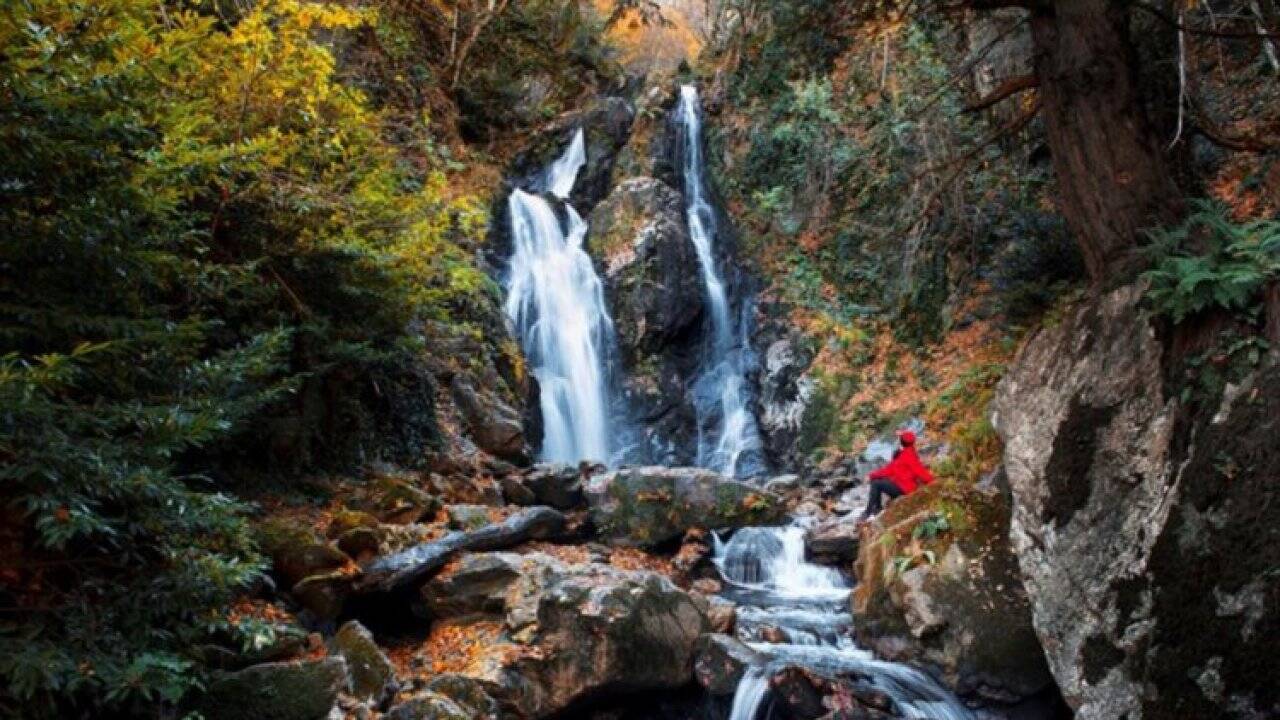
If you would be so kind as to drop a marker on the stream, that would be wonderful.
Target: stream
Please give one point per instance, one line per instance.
(778, 592)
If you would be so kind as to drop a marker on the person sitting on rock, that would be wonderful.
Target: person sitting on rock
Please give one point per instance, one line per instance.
(902, 476)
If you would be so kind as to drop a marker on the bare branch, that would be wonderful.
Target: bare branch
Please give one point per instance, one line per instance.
(1010, 87)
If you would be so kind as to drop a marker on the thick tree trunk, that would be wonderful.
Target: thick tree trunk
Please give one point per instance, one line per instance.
(1111, 173)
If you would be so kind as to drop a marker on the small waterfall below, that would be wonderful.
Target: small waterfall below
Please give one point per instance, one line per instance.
(555, 301)
(728, 434)
(766, 574)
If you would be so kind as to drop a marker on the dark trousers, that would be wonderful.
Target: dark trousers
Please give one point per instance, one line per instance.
(878, 489)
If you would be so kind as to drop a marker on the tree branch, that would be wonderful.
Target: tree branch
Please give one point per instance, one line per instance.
(1010, 87)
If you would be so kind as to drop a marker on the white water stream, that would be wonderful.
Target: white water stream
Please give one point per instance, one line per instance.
(721, 395)
(765, 572)
(556, 302)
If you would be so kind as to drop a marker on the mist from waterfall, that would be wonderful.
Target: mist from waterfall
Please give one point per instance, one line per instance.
(556, 303)
(726, 426)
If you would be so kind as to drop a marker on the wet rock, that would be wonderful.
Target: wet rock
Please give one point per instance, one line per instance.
(788, 426)
(1131, 509)
(654, 505)
(833, 541)
(416, 563)
(720, 662)
(799, 693)
(477, 583)
(639, 235)
(722, 615)
(495, 426)
(372, 675)
(300, 690)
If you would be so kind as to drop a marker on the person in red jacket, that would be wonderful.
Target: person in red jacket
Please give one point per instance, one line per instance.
(902, 476)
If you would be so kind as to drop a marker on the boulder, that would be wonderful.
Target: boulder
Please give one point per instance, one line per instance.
(324, 595)
(722, 614)
(390, 572)
(300, 690)
(494, 425)
(476, 583)
(297, 552)
(554, 484)
(1142, 493)
(373, 677)
(649, 506)
(957, 603)
(833, 541)
(572, 631)
(720, 661)
(393, 499)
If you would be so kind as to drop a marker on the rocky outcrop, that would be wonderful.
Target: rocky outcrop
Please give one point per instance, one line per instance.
(950, 598)
(654, 505)
(655, 295)
(495, 426)
(571, 631)
(299, 690)
(1145, 524)
(398, 570)
(787, 391)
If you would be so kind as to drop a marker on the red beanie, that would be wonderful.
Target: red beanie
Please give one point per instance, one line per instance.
(907, 437)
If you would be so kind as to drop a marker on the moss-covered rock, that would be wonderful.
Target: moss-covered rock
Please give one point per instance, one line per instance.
(654, 505)
(301, 690)
(296, 551)
(427, 705)
(373, 677)
(950, 595)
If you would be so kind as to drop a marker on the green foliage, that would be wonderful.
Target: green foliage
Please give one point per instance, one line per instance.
(1209, 262)
(931, 527)
(213, 255)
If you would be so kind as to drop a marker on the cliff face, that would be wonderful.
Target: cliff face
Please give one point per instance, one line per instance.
(1145, 524)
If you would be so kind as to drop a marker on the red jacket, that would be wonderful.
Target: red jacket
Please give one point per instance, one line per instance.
(906, 471)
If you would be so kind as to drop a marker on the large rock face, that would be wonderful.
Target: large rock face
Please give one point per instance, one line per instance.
(656, 505)
(655, 294)
(1146, 528)
(570, 631)
(786, 387)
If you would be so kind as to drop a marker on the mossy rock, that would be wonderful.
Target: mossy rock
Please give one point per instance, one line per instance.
(394, 500)
(650, 506)
(346, 520)
(373, 677)
(301, 690)
(297, 552)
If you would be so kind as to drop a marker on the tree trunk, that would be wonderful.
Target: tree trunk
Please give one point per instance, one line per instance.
(1111, 173)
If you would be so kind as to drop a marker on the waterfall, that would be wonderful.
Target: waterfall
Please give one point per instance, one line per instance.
(555, 301)
(720, 394)
(766, 574)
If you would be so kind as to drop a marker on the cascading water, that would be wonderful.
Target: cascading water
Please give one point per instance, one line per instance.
(556, 302)
(766, 574)
(720, 393)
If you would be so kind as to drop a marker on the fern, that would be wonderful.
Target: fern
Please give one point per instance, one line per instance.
(1209, 262)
